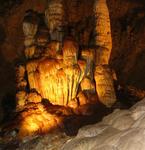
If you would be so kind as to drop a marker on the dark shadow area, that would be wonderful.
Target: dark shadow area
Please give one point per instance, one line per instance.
(2, 34)
(9, 106)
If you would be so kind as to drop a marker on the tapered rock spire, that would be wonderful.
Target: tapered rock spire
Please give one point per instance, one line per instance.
(103, 30)
(103, 39)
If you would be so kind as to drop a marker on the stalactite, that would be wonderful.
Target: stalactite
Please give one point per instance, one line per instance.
(88, 55)
(32, 75)
(30, 25)
(59, 71)
(71, 68)
(54, 15)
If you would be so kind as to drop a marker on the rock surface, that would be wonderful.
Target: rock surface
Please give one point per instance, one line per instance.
(128, 32)
(120, 130)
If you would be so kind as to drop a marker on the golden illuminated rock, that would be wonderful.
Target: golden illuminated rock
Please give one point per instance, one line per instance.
(82, 64)
(82, 98)
(104, 85)
(103, 76)
(52, 49)
(87, 85)
(102, 56)
(74, 103)
(70, 52)
(37, 119)
(33, 75)
(71, 68)
(57, 69)
(57, 79)
(54, 15)
(89, 56)
(33, 97)
(51, 80)
(103, 32)
(103, 29)
(73, 74)
(21, 98)
(30, 51)
(21, 83)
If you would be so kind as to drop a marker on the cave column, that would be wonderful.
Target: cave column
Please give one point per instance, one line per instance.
(103, 41)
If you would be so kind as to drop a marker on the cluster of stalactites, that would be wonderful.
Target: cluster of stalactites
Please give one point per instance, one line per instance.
(58, 74)
(35, 35)
(57, 79)
(54, 15)
(103, 75)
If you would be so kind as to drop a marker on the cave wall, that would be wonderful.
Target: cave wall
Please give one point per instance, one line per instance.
(128, 33)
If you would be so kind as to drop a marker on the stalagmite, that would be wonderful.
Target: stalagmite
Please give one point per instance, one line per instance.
(55, 69)
(71, 68)
(103, 30)
(102, 75)
(30, 25)
(57, 79)
(104, 85)
(54, 15)
(32, 74)
(49, 81)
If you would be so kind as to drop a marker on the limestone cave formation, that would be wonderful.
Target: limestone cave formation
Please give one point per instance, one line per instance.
(66, 64)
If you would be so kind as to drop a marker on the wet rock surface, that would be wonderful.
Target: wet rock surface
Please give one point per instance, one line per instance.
(127, 24)
(127, 59)
(122, 129)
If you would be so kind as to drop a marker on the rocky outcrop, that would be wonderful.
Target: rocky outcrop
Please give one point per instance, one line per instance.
(127, 25)
(122, 130)
(57, 79)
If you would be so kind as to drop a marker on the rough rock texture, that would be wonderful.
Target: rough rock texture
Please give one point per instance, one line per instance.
(128, 32)
(102, 26)
(103, 42)
(121, 130)
(104, 85)
(11, 44)
(55, 19)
